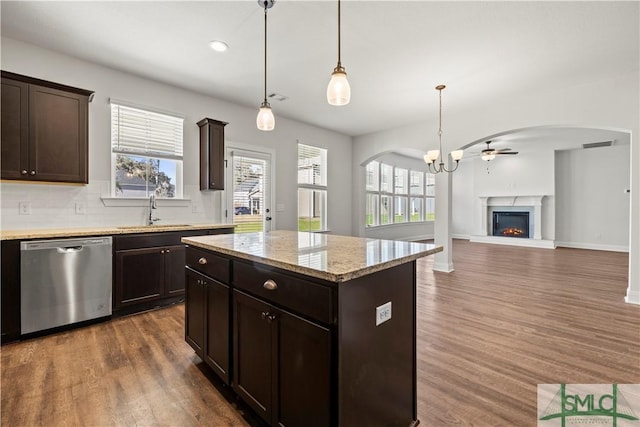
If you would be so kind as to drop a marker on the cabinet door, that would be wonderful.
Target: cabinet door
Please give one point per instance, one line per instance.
(211, 154)
(195, 304)
(139, 276)
(217, 346)
(10, 283)
(57, 135)
(304, 373)
(253, 353)
(15, 129)
(174, 262)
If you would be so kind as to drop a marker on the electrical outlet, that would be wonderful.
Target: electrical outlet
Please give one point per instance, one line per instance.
(25, 208)
(81, 208)
(383, 313)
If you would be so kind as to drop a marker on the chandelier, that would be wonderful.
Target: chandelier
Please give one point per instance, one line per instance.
(433, 155)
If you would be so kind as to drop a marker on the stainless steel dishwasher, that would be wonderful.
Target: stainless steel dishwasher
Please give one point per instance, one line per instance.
(64, 282)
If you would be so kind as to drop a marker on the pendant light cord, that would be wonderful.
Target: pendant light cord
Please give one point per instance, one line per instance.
(339, 14)
(265, 52)
(440, 123)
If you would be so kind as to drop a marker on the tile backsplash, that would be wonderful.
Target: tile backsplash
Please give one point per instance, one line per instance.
(36, 206)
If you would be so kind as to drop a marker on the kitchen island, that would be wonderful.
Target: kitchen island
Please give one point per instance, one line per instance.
(307, 328)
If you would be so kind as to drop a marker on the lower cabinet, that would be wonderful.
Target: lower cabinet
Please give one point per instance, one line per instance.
(207, 321)
(274, 352)
(148, 274)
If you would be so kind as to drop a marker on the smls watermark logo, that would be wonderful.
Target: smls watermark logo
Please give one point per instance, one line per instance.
(592, 405)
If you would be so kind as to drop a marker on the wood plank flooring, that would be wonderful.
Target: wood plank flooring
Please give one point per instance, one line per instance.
(507, 319)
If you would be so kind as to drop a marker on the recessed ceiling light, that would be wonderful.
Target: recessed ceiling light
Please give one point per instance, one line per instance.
(218, 45)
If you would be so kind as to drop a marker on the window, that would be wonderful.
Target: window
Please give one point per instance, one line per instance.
(146, 149)
(398, 195)
(312, 188)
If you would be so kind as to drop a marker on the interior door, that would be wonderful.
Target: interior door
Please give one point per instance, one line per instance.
(249, 193)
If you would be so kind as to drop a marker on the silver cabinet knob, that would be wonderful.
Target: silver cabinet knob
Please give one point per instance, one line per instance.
(33, 172)
(202, 261)
(24, 172)
(270, 285)
(168, 251)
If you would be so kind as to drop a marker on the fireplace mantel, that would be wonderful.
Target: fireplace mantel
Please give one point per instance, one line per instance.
(531, 203)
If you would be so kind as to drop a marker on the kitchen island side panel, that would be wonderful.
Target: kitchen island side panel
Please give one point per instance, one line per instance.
(377, 364)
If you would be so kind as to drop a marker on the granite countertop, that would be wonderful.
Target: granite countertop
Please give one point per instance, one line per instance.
(48, 233)
(324, 256)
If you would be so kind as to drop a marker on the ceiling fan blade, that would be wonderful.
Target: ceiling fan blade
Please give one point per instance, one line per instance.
(507, 152)
(503, 149)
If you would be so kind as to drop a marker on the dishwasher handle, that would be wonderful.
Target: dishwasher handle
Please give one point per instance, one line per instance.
(69, 249)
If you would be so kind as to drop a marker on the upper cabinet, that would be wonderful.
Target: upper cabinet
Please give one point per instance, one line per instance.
(44, 130)
(211, 154)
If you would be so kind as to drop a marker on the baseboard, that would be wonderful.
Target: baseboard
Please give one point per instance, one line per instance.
(593, 246)
(443, 267)
(514, 241)
(422, 237)
(633, 297)
(460, 236)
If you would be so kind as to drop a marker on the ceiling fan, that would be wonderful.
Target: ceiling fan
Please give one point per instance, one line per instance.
(489, 153)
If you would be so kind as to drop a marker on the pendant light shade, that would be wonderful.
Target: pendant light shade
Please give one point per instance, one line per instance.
(265, 120)
(338, 91)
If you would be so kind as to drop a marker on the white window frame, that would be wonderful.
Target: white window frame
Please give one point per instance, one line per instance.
(321, 187)
(164, 147)
(406, 195)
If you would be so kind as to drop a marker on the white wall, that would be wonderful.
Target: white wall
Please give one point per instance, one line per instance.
(54, 205)
(592, 206)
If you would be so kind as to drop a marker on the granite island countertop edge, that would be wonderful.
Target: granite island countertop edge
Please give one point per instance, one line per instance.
(311, 272)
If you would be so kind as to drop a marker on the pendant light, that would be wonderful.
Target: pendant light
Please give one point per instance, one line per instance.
(338, 91)
(265, 120)
(432, 155)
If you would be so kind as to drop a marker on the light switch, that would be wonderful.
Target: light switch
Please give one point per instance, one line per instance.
(383, 313)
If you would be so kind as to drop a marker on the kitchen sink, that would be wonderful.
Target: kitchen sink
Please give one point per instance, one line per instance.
(134, 227)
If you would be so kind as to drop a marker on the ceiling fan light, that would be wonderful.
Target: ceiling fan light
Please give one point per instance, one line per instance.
(488, 157)
(338, 91)
(457, 155)
(265, 120)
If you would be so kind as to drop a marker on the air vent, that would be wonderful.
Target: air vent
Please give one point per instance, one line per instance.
(277, 97)
(598, 144)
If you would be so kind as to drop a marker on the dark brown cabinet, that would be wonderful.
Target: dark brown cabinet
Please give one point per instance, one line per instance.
(44, 130)
(211, 154)
(149, 268)
(207, 321)
(148, 274)
(274, 352)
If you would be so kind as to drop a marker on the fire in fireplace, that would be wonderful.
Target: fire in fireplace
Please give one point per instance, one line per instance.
(511, 224)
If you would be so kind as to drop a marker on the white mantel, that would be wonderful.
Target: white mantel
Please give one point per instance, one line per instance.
(531, 203)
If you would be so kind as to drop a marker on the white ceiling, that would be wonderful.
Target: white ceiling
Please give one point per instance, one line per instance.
(395, 52)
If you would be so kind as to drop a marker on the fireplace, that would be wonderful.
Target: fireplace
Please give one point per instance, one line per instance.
(511, 224)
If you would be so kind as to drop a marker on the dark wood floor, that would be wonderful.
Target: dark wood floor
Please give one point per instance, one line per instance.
(506, 320)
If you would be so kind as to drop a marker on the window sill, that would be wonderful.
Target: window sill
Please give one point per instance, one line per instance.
(142, 201)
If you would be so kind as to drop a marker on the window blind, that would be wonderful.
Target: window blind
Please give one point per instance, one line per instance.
(312, 166)
(135, 131)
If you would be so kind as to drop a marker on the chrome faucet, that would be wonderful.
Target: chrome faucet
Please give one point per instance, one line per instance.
(152, 206)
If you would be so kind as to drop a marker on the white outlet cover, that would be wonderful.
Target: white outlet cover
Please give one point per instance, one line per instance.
(383, 313)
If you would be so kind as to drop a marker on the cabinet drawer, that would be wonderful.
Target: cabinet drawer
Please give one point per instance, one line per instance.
(214, 266)
(298, 295)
